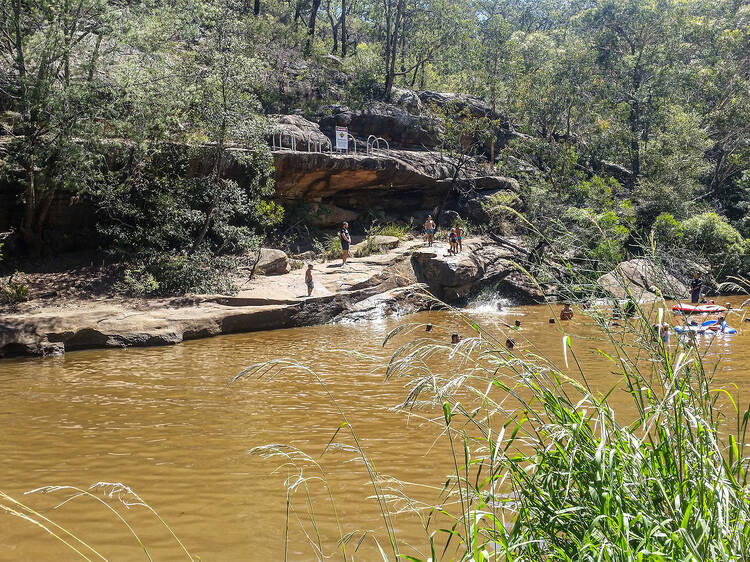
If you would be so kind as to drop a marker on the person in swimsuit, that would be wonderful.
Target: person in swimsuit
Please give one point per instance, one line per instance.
(346, 239)
(429, 228)
(458, 234)
(566, 313)
(453, 249)
(309, 280)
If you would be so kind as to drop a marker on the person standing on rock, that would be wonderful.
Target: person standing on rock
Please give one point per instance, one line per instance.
(453, 249)
(309, 279)
(459, 232)
(346, 239)
(429, 228)
(696, 285)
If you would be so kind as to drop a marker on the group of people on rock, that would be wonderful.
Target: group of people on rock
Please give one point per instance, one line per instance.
(455, 237)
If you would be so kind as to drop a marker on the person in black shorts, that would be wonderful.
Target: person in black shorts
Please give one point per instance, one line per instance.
(346, 239)
(696, 285)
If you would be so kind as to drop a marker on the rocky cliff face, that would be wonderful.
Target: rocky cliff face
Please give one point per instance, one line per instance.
(398, 182)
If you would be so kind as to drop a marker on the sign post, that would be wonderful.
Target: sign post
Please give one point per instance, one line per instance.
(342, 138)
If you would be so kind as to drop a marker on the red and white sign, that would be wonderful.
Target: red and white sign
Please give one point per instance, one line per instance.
(342, 138)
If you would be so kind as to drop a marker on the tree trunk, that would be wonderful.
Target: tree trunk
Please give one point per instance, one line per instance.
(343, 28)
(297, 12)
(311, 25)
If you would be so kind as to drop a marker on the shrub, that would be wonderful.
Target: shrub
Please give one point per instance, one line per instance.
(181, 232)
(13, 292)
(400, 231)
(712, 237)
(667, 232)
(331, 247)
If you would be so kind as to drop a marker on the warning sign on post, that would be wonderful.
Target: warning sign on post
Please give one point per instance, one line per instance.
(342, 138)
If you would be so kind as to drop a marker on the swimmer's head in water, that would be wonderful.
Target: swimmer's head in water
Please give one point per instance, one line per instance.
(510, 343)
(551, 320)
(455, 338)
(428, 328)
(518, 322)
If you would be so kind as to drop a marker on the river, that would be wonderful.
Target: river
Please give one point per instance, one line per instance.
(165, 422)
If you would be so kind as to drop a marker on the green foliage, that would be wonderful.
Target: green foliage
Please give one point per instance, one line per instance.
(400, 231)
(721, 245)
(13, 292)
(667, 232)
(175, 227)
(501, 219)
(137, 282)
(331, 247)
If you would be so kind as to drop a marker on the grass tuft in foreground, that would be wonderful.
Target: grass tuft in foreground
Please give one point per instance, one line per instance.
(544, 468)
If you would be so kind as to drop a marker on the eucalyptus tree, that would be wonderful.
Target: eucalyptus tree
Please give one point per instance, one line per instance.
(637, 44)
(49, 57)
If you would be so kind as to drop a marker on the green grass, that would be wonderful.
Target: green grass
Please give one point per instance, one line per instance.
(400, 231)
(545, 468)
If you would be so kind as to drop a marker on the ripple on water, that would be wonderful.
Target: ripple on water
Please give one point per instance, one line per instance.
(164, 421)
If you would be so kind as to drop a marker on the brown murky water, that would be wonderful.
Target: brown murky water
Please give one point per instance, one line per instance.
(164, 421)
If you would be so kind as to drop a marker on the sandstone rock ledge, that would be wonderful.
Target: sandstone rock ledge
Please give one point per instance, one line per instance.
(366, 287)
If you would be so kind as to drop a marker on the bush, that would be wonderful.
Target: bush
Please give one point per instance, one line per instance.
(400, 231)
(667, 232)
(181, 232)
(165, 275)
(713, 238)
(13, 292)
(331, 247)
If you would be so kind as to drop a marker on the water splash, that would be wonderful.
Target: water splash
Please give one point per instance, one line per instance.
(488, 304)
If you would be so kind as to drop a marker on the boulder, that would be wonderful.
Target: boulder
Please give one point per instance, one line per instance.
(390, 122)
(477, 107)
(379, 243)
(452, 277)
(644, 279)
(620, 173)
(448, 218)
(399, 300)
(408, 99)
(496, 182)
(272, 262)
(307, 256)
(303, 131)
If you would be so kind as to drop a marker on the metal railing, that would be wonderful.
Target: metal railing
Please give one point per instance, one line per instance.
(318, 144)
(281, 133)
(373, 144)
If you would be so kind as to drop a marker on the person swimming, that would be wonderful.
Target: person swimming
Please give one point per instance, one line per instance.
(455, 338)
(566, 313)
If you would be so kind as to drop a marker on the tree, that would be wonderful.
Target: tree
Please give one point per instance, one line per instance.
(636, 42)
(50, 50)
